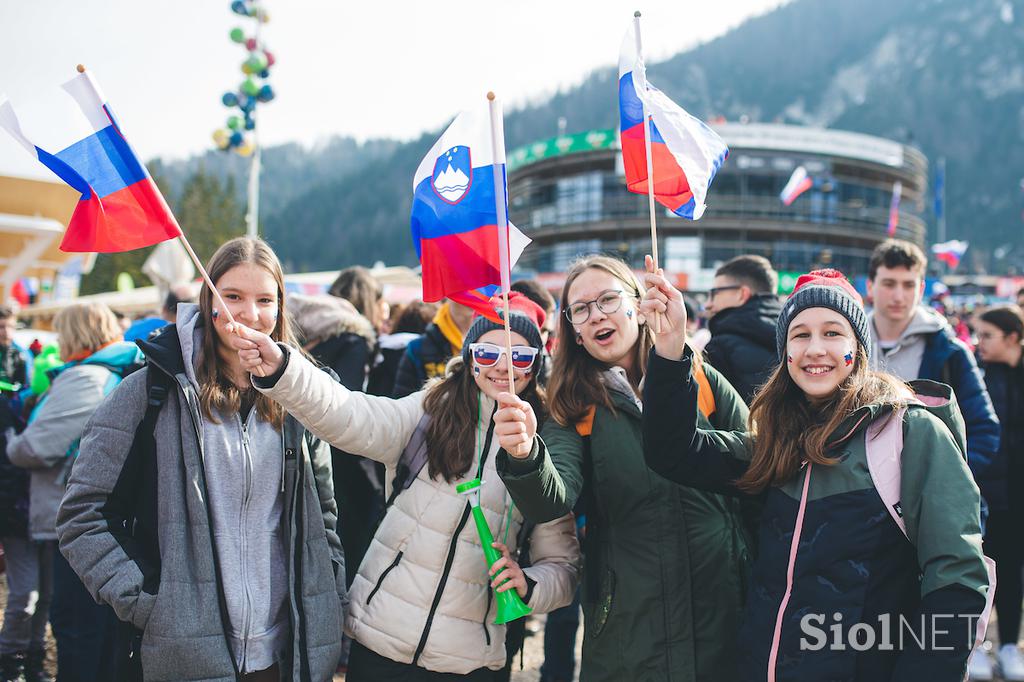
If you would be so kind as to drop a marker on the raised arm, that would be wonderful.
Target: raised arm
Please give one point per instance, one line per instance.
(370, 426)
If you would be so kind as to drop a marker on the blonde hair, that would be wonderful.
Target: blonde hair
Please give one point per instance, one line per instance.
(85, 327)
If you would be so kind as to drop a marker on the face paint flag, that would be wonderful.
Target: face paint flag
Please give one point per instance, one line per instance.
(455, 223)
(685, 152)
(894, 208)
(799, 182)
(950, 252)
(121, 208)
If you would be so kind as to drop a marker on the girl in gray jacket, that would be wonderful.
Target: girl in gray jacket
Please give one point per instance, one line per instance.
(213, 533)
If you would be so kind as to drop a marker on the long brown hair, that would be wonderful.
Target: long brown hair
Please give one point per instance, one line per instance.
(788, 429)
(217, 392)
(453, 404)
(575, 384)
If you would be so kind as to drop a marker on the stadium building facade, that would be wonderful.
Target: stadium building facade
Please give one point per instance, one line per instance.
(568, 194)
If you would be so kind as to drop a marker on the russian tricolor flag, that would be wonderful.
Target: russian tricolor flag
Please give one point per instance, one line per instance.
(455, 224)
(799, 182)
(686, 154)
(121, 208)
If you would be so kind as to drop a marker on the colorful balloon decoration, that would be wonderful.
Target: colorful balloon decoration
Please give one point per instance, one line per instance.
(238, 132)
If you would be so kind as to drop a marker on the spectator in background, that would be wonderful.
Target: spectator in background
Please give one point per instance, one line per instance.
(1020, 297)
(410, 322)
(1000, 334)
(181, 293)
(744, 309)
(427, 356)
(28, 564)
(95, 359)
(360, 288)
(335, 334)
(536, 292)
(912, 341)
(698, 336)
(13, 360)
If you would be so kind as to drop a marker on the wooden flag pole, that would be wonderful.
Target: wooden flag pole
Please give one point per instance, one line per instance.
(642, 86)
(188, 247)
(500, 206)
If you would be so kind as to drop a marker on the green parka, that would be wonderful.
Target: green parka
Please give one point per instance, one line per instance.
(665, 566)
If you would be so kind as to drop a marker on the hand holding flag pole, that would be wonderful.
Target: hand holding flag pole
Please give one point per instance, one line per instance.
(501, 210)
(650, 159)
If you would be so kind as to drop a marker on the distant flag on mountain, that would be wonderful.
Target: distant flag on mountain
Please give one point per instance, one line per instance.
(799, 182)
(686, 153)
(894, 208)
(455, 223)
(950, 252)
(121, 207)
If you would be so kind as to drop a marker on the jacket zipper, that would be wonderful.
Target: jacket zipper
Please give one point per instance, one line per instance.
(793, 546)
(243, 524)
(383, 575)
(451, 556)
(193, 412)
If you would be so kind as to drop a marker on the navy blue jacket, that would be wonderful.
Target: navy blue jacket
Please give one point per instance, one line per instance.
(948, 361)
(1006, 387)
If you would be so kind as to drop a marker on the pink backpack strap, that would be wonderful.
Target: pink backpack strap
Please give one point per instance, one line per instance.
(773, 655)
(884, 446)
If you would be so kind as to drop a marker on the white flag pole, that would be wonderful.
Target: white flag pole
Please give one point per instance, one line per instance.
(501, 210)
(642, 88)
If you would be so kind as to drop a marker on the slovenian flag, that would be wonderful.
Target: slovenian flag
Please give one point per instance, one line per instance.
(950, 252)
(685, 153)
(121, 208)
(456, 229)
(799, 182)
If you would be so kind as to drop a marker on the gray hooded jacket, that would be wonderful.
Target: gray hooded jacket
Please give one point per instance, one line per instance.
(248, 569)
(903, 360)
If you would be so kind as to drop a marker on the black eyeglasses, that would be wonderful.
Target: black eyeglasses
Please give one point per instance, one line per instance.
(717, 290)
(608, 302)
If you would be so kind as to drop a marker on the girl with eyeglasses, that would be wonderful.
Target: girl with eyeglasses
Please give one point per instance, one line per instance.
(664, 564)
(1000, 335)
(422, 603)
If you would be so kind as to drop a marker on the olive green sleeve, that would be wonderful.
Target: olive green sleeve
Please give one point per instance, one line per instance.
(546, 484)
(941, 506)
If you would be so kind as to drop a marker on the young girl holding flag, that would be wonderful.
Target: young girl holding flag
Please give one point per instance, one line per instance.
(422, 602)
(665, 565)
(848, 585)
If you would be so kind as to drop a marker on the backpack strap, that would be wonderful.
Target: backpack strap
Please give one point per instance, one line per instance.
(705, 396)
(884, 447)
(411, 462)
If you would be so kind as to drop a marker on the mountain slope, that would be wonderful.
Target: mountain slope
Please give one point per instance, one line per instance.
(945, 75)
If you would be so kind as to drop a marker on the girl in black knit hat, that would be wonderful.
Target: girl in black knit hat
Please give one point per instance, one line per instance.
(870, 564)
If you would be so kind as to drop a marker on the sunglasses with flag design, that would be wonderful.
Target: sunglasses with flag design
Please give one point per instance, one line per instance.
(488, 355)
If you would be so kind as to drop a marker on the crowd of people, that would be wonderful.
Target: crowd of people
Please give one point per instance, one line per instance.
(265, 486)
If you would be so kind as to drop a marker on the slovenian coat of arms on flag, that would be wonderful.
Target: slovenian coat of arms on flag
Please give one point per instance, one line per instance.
(121, 207)
(455, 223)
(686, 153)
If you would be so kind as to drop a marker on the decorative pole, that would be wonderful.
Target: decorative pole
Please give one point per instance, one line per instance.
(241, 133)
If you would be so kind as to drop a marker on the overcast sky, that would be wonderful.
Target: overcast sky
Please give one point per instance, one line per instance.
(366, 69)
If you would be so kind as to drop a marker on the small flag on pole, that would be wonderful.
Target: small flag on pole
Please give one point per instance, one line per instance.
(455, 225)
(894, 208)
(121, 207)
(950, 252)
(799, 182)
(686, 153)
